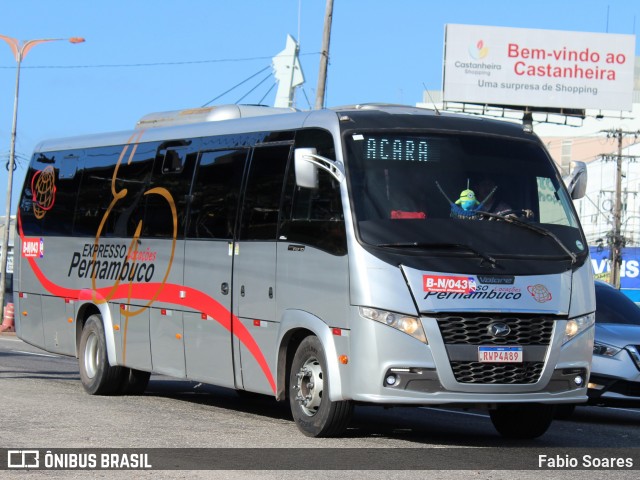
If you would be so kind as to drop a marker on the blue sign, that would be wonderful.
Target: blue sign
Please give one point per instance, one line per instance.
(629, 270)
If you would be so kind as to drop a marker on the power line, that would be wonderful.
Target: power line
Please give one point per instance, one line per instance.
(237, 85)
(150, 64)
(268, 92)
(259, 83)
(307, 99)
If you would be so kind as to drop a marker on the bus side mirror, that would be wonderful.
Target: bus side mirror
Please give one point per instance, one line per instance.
(306, 170)
(576, 181)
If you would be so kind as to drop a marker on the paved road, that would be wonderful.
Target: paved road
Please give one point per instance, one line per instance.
(44, 406)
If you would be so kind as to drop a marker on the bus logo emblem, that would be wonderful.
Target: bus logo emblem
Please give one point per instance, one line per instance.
(539, 292)
(499, 329)
(43, 188)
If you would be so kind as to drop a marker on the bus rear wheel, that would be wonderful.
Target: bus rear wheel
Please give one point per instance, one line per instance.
(314, 414)
(522, 421)
(134, 382)
(97, 376)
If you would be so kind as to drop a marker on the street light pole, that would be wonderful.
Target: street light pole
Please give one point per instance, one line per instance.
(20, 51)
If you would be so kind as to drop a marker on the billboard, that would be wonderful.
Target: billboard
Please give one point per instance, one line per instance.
(538, 68)
(629, 270)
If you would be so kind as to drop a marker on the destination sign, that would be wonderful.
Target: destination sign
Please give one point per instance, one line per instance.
(399, 148)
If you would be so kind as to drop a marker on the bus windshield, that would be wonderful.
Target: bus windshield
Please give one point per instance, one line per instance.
(460, 192)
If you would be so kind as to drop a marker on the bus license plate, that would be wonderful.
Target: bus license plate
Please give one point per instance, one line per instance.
(500, 354)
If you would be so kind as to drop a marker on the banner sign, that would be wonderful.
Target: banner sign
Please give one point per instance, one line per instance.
(538, 68)
(629, 270)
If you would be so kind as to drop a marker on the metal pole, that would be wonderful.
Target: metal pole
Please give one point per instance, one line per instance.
(616, 244)
(20, 52)
(11, 164)
(324, 55)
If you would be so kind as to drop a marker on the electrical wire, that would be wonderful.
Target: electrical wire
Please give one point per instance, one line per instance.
(150, 64)
(265, 95)
(259, 83)
(19, 160)
(306, 98)
(236, 86)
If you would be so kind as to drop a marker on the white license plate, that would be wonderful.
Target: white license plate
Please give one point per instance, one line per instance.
(500, 354)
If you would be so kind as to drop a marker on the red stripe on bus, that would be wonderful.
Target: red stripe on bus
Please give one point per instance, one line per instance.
(170, 294)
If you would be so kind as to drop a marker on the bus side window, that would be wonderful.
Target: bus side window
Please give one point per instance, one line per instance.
(173, 173)
(263, 192)
(59, 220)
(314, 217)
(28, 220)
(101, 177)
(95, 190)
(35, 193)
(49, 198)
(173, 159)
(215, 194)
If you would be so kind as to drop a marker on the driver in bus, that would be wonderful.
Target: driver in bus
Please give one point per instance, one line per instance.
(489, 194)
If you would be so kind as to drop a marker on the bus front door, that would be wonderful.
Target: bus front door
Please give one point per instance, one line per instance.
(209, 264)
(254, 276)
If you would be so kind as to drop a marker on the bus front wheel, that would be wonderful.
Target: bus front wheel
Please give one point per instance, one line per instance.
(314, 414)
(97, 376)
(522, 421)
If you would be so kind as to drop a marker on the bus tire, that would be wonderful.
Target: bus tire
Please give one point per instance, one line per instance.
(314, 414)
(97, 376)
(522, 421)
(134, 382)
(564, 411)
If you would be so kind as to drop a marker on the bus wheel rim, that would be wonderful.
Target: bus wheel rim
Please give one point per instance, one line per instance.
(91, 352)
(310, 386)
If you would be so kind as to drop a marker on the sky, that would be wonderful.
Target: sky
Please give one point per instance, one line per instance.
(143, 56)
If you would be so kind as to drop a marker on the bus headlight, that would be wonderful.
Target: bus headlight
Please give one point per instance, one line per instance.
(577, 325)
(405, 323)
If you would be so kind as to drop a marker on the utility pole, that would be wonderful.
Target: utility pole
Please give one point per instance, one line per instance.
(324, 55)
(616, 244)
(617, 241)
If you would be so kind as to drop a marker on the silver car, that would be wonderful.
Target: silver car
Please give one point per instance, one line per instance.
(615, 373)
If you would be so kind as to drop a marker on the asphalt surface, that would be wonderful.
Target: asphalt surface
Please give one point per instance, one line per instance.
(45, 406)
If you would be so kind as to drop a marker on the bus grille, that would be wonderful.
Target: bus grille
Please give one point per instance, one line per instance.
(497, 373)
(476, 331)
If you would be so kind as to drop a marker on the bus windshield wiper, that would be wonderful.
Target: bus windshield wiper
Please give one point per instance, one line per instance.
(542, 231)
(459, 246)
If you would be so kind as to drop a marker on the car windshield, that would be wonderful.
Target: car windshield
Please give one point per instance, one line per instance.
(613, 306)
(434, 191)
